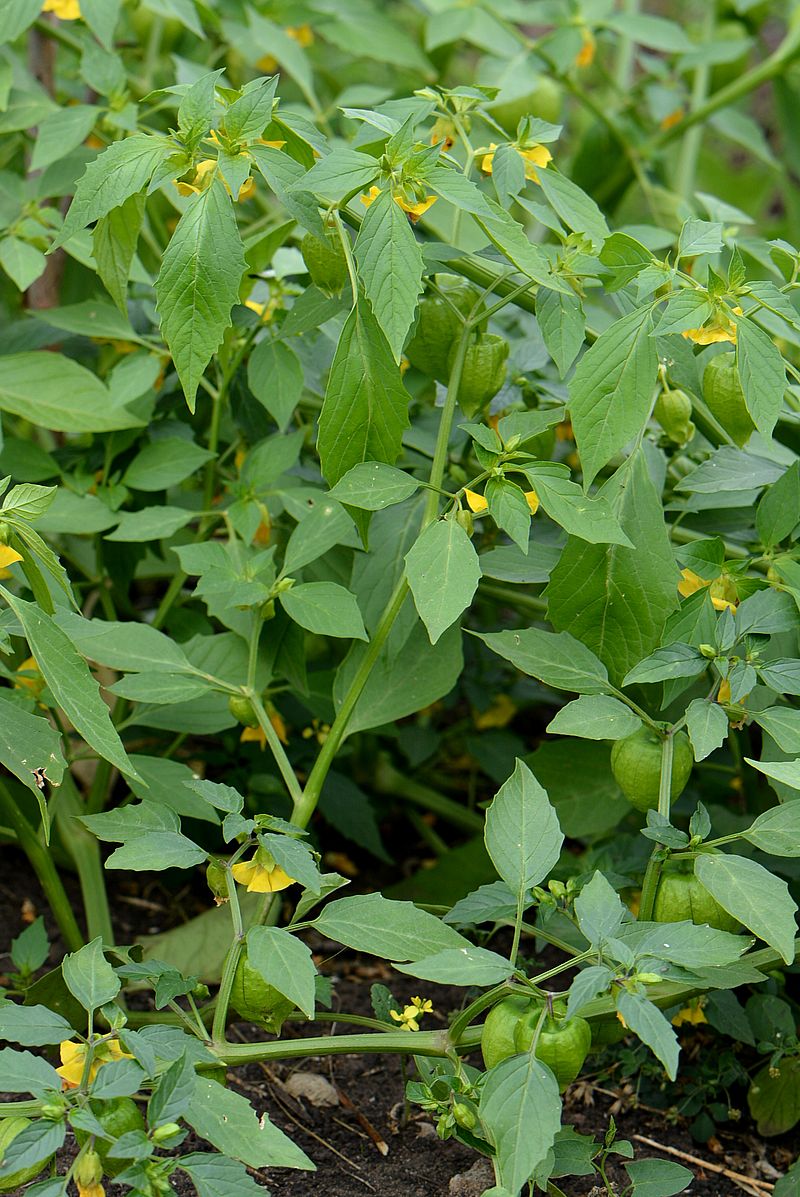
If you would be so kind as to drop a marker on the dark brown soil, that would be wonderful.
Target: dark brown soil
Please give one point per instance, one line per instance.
(369, 1142)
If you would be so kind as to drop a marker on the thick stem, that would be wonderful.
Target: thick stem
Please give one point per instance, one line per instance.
(231, 962)
(281, 759)
(42, 864)
(653, 872)
(416, 1043)
(388, 780)
(85, 853)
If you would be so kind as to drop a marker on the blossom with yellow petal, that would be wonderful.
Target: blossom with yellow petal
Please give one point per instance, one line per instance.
(722, 589)
(535, 156)
(370, 196)
(476, 503)
(95, 1189)
(724, 692)
(585, 56)
(417, 209)
(443, 133)
(498, 714)
(532, 499)
(273, 145)
(265, 310)
(247, 189)
(261, 878)
(719, 328)
(256, 735)
(65, 10)
(7, 557)
(692, 1013)
(409, 1019)
(73, 1059)
(204, 168)
(302, 34)
(23, 682)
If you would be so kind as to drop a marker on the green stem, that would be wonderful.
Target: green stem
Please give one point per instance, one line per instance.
(690, 146)
(229, 968)
(85, 852)
(306, 805)
(653, 871)
(388, 780)
(281, 759)
(42, 864)
(416, 1043)
(624, 67)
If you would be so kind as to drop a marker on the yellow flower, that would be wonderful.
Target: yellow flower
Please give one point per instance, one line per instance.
(302, 34)
(255, 735)
(370, 196)
(265, 310)
(585, 56)
(247, 189)
(65, 10)
(691, 1013)
(273, 145)
(415, 210)
(7, 557)
(719, 328)
(476, 502)
(409, 1019)
(23, 682)
(93, 1190)
(73, 1059)
(722, 589)
(724, 692)
(201, 170)
(443, 133)
(672, 118)
(261, 878)
(404, 365)
(532, 500)
(499, 713)
(533, 157)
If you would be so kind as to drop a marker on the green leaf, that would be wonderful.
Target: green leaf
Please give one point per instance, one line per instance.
(777, 513)
(284, 962)
(325, 608)
(61, 133)
(658, 1178)
(777, 831)
(157, 850)
(159, 689)
(783, 724)
(443, 573)
(198, 283)
(32, 1026)
(165, 463)
(70, 682)
(581, 786)
(23, 263)
(687, 309)
(248, 116)
(563, 326)
(340, 173)
(396, 931)
(16, 16)
(761, 373)
(390, 268)
(647, 1021)
(275, 377)
(623, 258)
(174, 1092)
(707, 725)
(513, 241)
(616, 600)
(522, 833)
(89, 977)
(365, 407)
(325, 525)
(214, 1175)
(114, 240)
(786, 772)
(578, 211)
(227, 1120)
(595, 717)
(101, 16)
(555, 658)
(509, 509)
(372, 486)
(611, 391)
(675, 660)
(134, 646)
(28, 742)
(774, 1097)
(33, 386)
(521, 1112)
(599, 910)
(151, 523)
(590, 518)
(457, 966)
(121, 171)
(700, 237)
(34, 1144)
(22, 1072)
(754, 896)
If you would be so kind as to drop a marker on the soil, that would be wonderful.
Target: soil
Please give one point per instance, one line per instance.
(368, 1142)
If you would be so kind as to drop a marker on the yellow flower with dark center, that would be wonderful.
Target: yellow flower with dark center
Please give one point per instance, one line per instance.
(260, 877)
(534, 157)
(476, 503)
(409, 1019)
(65, 10)
(415, 209)
(73, 1059)
(722, 589)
